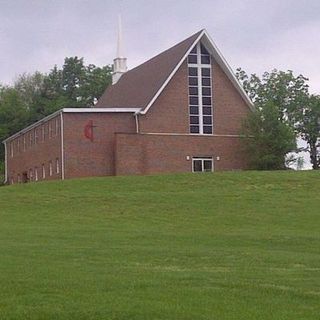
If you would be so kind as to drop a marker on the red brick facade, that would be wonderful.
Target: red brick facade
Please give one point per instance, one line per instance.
(160, 153)
(129, 142)
(36, 154)
(84, 158)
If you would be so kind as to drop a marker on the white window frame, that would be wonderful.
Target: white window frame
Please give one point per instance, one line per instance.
(199, 65)
(50, 168)
(36, 174)
(57, 166)
(43, 171)
(202, 160)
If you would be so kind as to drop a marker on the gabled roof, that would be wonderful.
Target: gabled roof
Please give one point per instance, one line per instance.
(141, 86)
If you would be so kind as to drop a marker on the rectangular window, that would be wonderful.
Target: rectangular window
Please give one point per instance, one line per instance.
(193, 100)
(193, 71)
(30, 139)
(202, 164)
(194, 120)
(193, 91)
(57, 126)
(50, 168)
(192, 59)
(50, 130)
(36, 174)
(57, 166)
(43, 171)
(35, 136)
(193, 81)
(11, 149)
(194, 110)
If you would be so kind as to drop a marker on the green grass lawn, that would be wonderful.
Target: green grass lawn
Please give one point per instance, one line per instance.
(241, 245)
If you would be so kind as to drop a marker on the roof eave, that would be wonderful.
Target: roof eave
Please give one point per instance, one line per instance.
(72, 110)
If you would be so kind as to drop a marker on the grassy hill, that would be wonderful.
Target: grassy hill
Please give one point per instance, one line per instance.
(194, 246)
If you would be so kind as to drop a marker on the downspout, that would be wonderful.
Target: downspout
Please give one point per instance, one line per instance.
(62, 145)
(5, 163)
(137, 122)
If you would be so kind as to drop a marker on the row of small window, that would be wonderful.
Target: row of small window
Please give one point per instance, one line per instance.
(205, 82)
(206, 120)
(196, 129)
(205, 110)
(193, 59)
(34, 136)
(205, 91)
(193, 72)
(194, 100)
(33, 173)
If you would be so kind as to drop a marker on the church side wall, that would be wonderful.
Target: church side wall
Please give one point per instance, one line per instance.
(36, 154)
(84, 157)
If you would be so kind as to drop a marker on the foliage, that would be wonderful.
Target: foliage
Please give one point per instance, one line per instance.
(276, 96)
(34, 96)
(268, 139)
(13, 114)
(241, 245)
(306, 120)
(283, 89)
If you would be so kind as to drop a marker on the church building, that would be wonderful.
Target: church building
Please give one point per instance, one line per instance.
(180, 111)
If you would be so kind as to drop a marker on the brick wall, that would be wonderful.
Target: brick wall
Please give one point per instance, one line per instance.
(84, 158)
(156, 153)
(170, 112)
(32, 150)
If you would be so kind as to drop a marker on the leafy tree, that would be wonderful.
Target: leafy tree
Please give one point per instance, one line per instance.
(13, 114)
(296, 108)
(275, 95)
(285, 90)
(269, 140)
(307, 123)
(34, 96)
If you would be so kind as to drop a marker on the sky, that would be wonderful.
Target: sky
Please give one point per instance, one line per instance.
(256, 35)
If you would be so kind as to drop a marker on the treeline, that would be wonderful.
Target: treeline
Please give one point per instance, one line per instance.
(284, 112)
(34, 96)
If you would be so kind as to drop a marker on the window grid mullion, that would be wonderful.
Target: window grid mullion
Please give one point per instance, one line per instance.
(199, 89)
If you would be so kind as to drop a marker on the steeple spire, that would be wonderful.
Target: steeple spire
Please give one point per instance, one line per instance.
(119, 63)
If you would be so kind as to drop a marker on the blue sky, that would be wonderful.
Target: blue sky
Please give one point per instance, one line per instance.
(256, 35)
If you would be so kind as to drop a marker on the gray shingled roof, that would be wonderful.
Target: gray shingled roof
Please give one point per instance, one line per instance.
(138, 86)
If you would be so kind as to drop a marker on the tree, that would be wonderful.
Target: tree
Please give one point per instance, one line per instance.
(13, 114)
(34, 96)
(269, 140)
(275, 96)
(306, 120)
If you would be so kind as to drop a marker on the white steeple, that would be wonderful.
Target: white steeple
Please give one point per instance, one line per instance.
(119, 63)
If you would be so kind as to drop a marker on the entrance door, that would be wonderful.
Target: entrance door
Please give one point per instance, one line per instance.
(202, 164)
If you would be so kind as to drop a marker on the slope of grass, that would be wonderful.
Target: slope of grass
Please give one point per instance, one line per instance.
(202, 246)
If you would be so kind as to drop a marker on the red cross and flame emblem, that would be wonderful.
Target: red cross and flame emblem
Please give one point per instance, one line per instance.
(88, 130)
